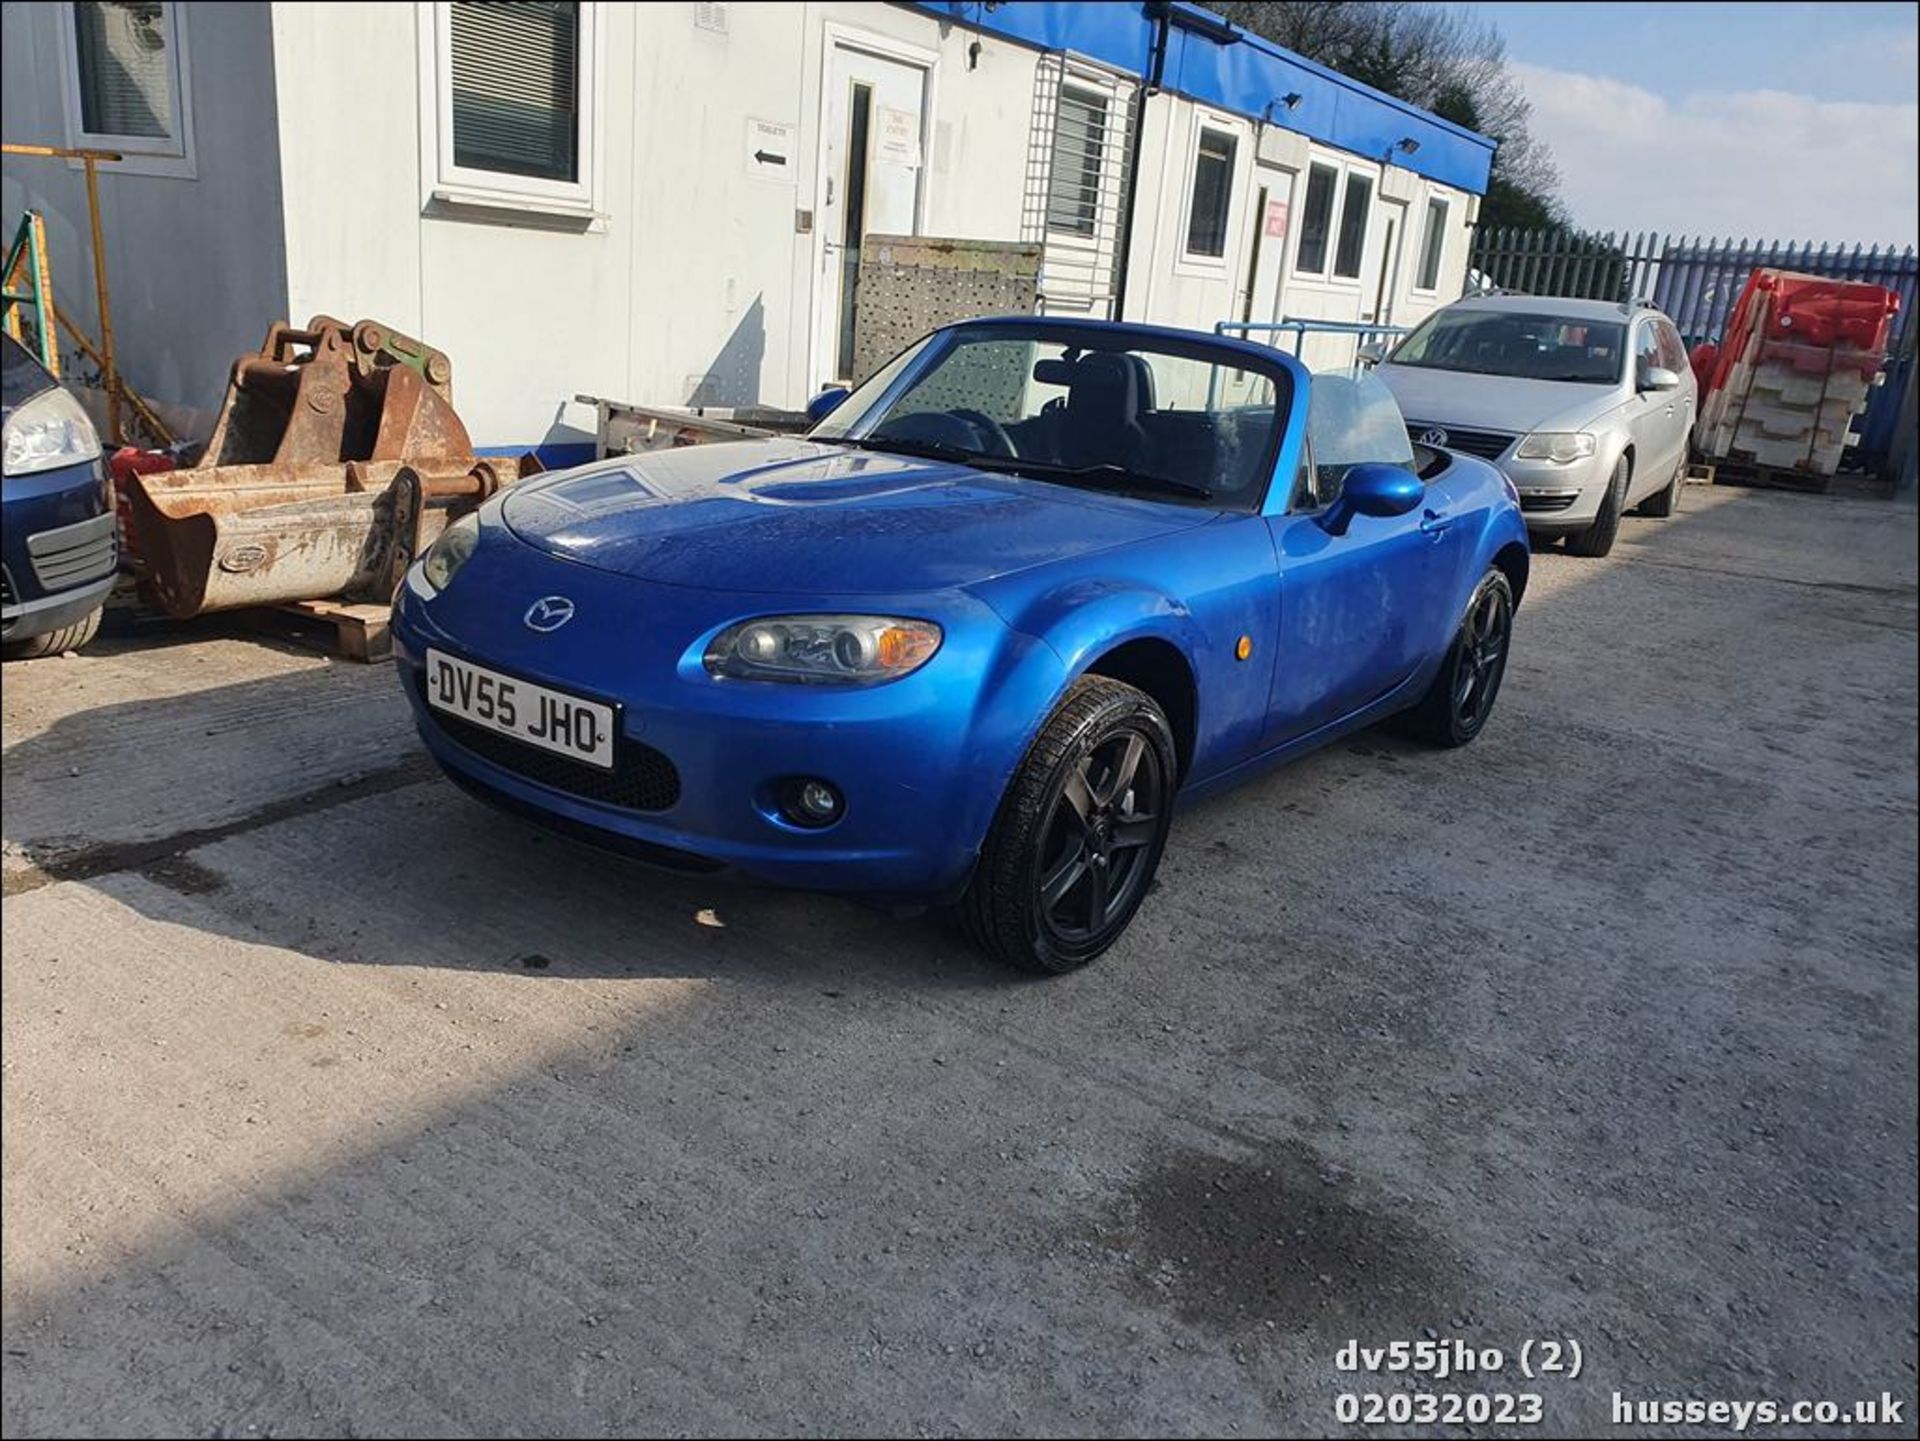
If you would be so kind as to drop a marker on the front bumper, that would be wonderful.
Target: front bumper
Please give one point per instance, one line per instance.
(58, 553)
(921, 762)
(1556, 499)
(49, 613)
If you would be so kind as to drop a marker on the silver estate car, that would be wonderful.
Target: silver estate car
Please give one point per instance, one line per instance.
(1586, 405)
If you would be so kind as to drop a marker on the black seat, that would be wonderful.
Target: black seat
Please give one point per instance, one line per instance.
(1101, 423)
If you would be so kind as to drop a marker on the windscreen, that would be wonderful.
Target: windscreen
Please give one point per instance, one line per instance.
(1525, 346)
(1099, 408)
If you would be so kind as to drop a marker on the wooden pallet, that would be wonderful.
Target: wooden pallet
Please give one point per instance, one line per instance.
(1767, 477)
(359, 631)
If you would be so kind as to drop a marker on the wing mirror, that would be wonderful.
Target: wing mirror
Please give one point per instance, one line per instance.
(1372, 353)
(825, 403)
(1658, 377)
(1373, 489)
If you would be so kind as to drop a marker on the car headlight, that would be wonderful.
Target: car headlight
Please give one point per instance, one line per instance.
(1556, 445)
(50, 430)
(447, 554)
(842, 649)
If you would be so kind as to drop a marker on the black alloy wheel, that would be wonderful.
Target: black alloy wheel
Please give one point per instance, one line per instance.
(1076, 841)
(1459, 699)
(1104, 823)
(1480, 658)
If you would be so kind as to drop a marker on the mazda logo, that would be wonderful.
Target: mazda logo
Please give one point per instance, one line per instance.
(1435, 436)
(550, 612)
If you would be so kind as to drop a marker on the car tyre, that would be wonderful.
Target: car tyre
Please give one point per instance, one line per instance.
(1667, 501)
(68, 637)
(1597, 539)
(1079, 833)
(1457, 704)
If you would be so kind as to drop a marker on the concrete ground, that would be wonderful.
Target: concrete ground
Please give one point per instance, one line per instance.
(336, 1103)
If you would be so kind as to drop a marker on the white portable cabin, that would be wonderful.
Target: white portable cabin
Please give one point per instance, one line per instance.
(663, 202)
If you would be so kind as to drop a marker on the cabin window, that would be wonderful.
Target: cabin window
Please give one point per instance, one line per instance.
(1212, 194)
(126, 84)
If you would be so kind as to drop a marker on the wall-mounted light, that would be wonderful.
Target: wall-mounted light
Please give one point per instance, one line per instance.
(1292, 99)
(1279, 102)
(1406, 145)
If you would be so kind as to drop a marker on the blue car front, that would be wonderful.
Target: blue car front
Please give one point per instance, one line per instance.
(612, 583)
(58, 555)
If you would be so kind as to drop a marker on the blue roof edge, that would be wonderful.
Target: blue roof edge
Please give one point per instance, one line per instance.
(1247, 76)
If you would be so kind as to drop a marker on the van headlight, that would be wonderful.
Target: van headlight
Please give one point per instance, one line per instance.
(829, 649)
(1559, 446)
(447, 554)
(49, 431)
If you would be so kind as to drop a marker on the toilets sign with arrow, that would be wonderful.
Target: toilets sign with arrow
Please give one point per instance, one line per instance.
(770, 151)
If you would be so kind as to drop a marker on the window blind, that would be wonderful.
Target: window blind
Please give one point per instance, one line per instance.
(1079, 149)
(126, 74)
(516, 67)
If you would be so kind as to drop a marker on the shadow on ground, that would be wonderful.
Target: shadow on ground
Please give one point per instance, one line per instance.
(358, 1108)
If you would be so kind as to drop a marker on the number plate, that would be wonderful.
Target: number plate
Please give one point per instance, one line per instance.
(553, 720)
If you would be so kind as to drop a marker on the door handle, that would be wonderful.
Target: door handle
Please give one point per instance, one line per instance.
(1435, 522)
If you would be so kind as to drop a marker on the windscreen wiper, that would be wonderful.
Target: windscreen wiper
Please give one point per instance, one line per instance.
(923, 449)
(1091, 475)
(1087, 475)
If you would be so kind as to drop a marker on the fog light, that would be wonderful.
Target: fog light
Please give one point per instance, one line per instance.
(811, 803)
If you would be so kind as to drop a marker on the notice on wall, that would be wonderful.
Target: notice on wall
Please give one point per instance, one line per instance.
(770, 150)
(898, 141)
(1277, 219)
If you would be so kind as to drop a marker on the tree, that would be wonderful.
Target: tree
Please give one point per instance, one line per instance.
(1437, 57)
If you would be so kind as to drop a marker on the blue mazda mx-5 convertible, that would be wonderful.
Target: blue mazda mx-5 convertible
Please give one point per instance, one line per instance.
(967, 641)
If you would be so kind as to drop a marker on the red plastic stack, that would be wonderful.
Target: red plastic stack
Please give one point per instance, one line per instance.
(1793, 369)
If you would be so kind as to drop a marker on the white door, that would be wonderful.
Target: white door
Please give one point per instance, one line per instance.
(1384, 260)
(871, 167)
(1260, 294)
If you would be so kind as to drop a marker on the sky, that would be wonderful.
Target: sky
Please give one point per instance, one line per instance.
(1783, 121)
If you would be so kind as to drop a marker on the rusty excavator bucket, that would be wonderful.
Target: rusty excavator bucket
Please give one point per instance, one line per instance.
(337, 457)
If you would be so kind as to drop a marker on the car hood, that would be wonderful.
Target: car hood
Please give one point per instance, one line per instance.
(1494, 402)
(799, 516)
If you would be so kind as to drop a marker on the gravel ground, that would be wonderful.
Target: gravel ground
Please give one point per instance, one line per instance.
(336, 1103)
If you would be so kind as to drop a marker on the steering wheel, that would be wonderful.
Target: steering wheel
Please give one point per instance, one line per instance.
(999, 442)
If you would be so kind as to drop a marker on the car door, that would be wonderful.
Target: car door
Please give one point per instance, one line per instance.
(1358, 611)
(1673, 355)
(1651, 417)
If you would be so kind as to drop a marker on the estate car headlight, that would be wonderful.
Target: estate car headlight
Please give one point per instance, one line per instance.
(1556, 445)
(830, 649)
(447, 554)
(48, 431)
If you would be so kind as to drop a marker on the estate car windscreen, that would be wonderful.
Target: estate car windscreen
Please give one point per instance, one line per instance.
(1521, 346)
(1098, 409)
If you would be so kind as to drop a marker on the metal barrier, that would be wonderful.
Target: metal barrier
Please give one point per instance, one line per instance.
(1361, 330)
